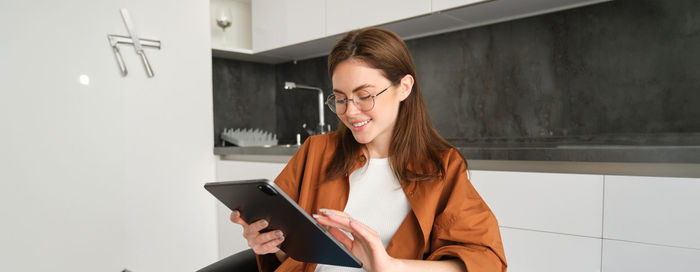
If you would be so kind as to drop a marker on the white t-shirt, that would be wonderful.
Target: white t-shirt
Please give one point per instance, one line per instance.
(377, 200)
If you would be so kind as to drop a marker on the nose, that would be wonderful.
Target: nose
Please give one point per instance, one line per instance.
(351, 108)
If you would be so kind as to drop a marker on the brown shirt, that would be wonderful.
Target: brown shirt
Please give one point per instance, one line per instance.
(448, 218)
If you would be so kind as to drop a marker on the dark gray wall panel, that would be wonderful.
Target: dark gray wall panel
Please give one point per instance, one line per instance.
(620, 72)
(244, 96)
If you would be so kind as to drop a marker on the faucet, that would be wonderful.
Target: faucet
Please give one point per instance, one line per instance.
(321, 129)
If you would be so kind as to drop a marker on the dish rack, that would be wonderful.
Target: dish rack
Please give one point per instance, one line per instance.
(249, 137)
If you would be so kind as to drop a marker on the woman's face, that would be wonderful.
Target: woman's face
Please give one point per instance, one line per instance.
(375, 126)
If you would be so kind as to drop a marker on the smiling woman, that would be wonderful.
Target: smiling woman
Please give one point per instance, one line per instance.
(386, 184)
(371, 118)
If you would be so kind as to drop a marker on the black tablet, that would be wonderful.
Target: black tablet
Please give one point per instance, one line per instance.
(305, 239)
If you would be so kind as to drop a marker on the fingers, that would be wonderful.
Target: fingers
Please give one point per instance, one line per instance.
(365, 233)
(335, 213)
(261, 243)
(360, 232)
(236, 218)
(334, 218)
(341, 237)
(264, 238)
(256, 226)
(267, 242)
(254, 229)
(327, 221)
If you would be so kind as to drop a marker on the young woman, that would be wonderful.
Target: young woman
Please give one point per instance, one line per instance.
(390, 189)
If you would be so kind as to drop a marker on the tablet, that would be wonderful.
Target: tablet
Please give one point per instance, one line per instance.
(305, 239)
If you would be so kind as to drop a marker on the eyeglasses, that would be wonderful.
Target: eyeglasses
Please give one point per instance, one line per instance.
(363, 100)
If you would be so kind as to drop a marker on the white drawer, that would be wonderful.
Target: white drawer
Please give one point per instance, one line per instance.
(654, 210)
(539, 251)
(562, 203)
(626, 256)
(240, 170)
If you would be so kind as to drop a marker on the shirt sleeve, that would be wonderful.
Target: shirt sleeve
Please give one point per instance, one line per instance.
(288, 180)
(466, 229)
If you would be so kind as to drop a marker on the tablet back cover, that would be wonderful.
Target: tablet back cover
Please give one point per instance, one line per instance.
(305, 239)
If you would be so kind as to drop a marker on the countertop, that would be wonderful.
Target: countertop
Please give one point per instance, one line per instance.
(639, 160)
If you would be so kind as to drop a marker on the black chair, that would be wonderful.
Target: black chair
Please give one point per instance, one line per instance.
(243, 261)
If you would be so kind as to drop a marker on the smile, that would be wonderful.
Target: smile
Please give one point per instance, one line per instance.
(359, 124)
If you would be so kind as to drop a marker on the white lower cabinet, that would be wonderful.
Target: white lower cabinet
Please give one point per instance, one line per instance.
(628, 256)
(562, 222)
(230, 239)
(542, 252)
(561, 203)
(654, 210)
(549, 222)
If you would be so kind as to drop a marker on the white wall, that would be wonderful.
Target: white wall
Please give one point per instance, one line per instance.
(109, 175)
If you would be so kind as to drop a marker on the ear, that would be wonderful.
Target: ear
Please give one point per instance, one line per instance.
(405, 87)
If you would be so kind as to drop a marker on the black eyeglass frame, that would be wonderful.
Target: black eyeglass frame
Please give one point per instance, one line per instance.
(332, 98)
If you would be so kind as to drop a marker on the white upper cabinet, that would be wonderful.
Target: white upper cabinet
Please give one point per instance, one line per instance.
(283, 30)
(437, 5)
(345, 15)
(237, 36)
(278, 23)
(490, 12)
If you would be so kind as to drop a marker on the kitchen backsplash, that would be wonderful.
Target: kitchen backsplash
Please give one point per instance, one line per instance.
(244, 96)
(613, 72)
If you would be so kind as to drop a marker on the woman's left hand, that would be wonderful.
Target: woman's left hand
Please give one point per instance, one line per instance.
(366, 244)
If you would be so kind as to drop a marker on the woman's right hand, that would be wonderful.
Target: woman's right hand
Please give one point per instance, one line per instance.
(261, 243)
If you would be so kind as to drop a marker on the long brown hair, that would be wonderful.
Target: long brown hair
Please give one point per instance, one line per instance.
(416, 147)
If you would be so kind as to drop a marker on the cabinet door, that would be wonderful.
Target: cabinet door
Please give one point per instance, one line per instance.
(543, 252)
(626, 256)
(278, 23)
(504, 10)
(562, 203)
(655, 210)
(345, 15)
(437, 5)
(236, 37)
